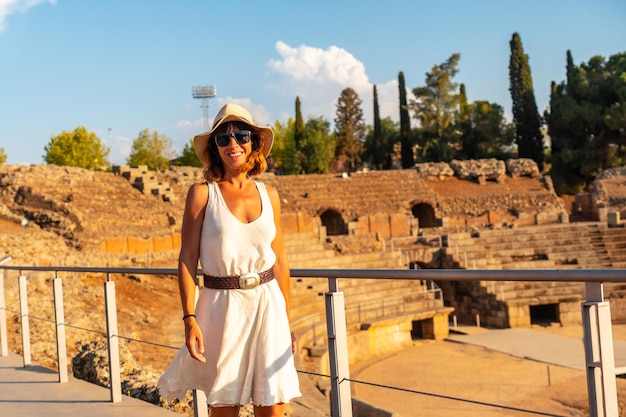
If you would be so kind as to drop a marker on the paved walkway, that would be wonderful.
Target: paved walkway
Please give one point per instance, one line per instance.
(35, 391)
(538, 346)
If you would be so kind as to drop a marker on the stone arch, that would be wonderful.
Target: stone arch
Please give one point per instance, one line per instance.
(425, 213)
(333, 221)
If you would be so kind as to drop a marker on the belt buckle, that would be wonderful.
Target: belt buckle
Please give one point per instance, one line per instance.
(249, 280)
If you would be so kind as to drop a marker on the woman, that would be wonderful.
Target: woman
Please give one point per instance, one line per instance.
(239, 347)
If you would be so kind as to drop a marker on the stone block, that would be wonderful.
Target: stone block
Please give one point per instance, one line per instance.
(379, 223)
(163, 243)
(289, 222)
(139, 246)
(176, 240)
(613, 219)
(116, 245)
(400, 225)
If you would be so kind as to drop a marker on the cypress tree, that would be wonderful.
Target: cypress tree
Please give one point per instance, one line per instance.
(406, 151)
(299, 130)
(527, 120)
(377, 142)
(465, 124)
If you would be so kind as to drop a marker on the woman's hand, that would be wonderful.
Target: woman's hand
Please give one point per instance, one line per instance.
(194, 340)
(293, 343)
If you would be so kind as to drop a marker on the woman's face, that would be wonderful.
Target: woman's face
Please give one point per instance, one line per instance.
(234, 155)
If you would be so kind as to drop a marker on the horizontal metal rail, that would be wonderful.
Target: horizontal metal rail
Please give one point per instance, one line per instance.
(599, 355)
(546, 275)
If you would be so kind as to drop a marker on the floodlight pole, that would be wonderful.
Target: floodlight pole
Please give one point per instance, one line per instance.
(204, 93)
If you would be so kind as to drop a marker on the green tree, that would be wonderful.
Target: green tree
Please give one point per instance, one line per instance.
(188, 157)
(153, 150)
(78, 148)
(388, 144)
(317, 147)
(285, 159)
(376, 150)
(350, 130)
(435, 107)
(485, 131)
(3, 155)
(528, 134)
(299, 127)
(380, 139)
(587, 122)
(406, 145)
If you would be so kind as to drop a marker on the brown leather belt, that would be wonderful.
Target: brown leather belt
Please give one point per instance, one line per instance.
(244, 282)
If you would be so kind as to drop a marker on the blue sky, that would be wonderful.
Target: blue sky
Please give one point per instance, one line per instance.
(120, 66)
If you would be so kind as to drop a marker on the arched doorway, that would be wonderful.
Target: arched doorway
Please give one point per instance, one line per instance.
(425, 214)
(333, 222)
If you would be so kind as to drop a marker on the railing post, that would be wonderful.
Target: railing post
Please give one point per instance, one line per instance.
(200, 407)
(59, 319)
(340, 395)
(113, 341)
(599, 354)
(24, 319)
(4, 344)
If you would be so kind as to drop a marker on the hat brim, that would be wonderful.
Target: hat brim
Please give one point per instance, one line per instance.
(201, 141)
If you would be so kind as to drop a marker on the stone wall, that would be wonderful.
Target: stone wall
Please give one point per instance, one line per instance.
(90, 209)
(461, 194)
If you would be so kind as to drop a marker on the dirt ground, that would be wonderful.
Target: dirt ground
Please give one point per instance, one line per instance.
(438, 379)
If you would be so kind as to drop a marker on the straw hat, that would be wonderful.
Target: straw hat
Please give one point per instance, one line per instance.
(233, 113)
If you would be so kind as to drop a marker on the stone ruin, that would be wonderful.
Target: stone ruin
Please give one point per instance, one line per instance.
(144, 180)
(480, 170)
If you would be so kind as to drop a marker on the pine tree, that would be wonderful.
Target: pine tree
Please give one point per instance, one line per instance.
(528, 137)
(350, 130)
(406, 148)
(436, 108)
(586, 122)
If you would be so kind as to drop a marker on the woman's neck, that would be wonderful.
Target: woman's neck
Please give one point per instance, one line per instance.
(238, 180)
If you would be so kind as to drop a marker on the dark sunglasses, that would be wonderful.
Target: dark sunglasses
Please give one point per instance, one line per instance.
(241, 136)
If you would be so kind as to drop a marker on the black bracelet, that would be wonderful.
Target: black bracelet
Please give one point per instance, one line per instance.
(188, 315)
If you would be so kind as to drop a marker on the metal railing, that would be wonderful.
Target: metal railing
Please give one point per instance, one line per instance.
(596, 321)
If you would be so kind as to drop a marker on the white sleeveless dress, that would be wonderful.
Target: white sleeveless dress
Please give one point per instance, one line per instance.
(247, 339)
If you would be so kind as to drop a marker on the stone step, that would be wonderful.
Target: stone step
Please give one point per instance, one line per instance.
(384, 260)
(538, 264)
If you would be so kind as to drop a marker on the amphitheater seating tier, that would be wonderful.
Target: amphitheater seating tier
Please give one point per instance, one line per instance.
(366, 300)
(356, 193)
(589, 245)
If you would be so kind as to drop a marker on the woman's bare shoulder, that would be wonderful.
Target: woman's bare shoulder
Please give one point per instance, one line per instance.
(198, 190)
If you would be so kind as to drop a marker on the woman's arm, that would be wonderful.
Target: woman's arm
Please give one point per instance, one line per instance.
(193, 217)
(281, 267)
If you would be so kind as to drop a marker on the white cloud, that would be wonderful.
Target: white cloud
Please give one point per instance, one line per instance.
(190, 128)
(318, 76)
(317, 65)
(8, 7)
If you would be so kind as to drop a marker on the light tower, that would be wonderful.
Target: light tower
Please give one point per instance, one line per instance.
(204, 92)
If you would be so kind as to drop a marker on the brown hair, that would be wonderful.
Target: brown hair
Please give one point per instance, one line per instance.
(255, 165)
